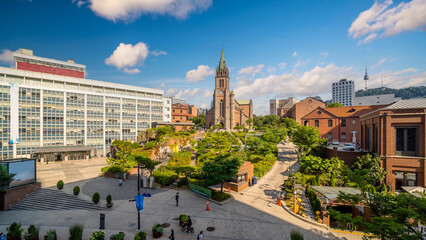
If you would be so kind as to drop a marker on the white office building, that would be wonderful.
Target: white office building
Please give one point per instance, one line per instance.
(343, 92)
(47, 106)
(375, 100)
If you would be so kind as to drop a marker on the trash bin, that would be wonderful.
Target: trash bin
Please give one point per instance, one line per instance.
(254, 180)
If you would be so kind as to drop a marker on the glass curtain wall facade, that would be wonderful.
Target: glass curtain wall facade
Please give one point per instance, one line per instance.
(62, 111)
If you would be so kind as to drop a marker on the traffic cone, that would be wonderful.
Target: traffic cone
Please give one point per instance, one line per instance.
(279, 201)
(229, 189)
(208, 208)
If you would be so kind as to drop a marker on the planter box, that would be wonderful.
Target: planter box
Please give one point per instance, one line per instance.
(156, 234)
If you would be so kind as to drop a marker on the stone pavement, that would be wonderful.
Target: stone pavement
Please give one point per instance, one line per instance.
(252, 215)
(69, 171)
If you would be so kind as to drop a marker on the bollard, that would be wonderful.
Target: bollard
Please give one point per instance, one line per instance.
(102, 221)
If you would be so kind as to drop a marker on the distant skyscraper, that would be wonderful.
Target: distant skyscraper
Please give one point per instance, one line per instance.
(343, 92)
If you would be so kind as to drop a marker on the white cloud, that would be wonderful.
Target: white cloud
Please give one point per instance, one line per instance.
(158, 52)
(81, 3)
(128, 10)
(294, 54)
(252, 70)
(128, 55)
(382, 19)
(131, 70)
(6, 56)
(188, 93)
(163, 86)
(324, 55)
(380, 62)
(171, 91)
(208, 93)
(271, 69)
(199, 74)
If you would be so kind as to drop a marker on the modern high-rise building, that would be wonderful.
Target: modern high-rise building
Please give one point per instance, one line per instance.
(49, 107)
(343, 92)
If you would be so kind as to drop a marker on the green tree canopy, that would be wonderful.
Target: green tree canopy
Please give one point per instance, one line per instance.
(335, 104)
(147, 163)
(375, 173)
(200, 120)
(306, 138)
(222, 168)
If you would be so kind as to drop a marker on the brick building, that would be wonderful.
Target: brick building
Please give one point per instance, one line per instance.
(397, 134)
(183, 113)
(338, 123)
(300, 109)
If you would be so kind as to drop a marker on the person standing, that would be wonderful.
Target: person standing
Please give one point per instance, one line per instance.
(200, 236)
(177, 199)
(172, 235)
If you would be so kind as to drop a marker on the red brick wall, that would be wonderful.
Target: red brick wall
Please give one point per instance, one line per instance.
(304, 107)
(346, 156)
(51, 70)
(246, 167)
(14, 195)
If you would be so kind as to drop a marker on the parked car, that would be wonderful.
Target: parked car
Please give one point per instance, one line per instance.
(335, 142)
(349, 147)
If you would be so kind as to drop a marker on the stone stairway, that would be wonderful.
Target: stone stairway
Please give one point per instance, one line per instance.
(48, 199)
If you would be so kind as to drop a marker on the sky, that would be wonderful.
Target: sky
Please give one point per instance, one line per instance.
(274, 48)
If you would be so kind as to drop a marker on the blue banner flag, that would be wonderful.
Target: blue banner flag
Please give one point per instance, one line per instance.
(139, 202)
(146, 194)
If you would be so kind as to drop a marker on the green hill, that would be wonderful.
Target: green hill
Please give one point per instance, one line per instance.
(403, 93)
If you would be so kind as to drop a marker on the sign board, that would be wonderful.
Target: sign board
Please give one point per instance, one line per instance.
(200, 190)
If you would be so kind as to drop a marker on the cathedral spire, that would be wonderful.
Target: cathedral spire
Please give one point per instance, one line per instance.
(222, 68)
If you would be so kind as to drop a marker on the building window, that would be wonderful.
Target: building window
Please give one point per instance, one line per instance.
(330, 123)
(406, 141)
(343, 122)
(353, 121)
(316, 123)
(330, 136)
(221, 108)
(343, 137)
(306, 123)
(319, 112)
(405, 179)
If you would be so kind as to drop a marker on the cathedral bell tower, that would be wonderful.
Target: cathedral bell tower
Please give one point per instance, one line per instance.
(222, 94)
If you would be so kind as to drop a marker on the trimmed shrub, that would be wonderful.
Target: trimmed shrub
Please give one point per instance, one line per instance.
(182, 182)
(180, 159)
(140, 236)
(149, 145)
(76, 232)
(50, 235)
(97, 235)
(96, 197)
(109, 199)
(14, 231)
(60, 184)
(183, 217)
(155, 226)
(220, 196)
(76, 190)
(119, 236)
(296, 235)
(159, 229)
(32, 233)
(114, 169)
(165, 176)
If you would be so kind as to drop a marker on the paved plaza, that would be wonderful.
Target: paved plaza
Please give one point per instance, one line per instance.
(253, 213)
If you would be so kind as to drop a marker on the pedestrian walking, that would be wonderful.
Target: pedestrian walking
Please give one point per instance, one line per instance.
(200, 236)
(177, 199)
(120, 182)
(172, 235)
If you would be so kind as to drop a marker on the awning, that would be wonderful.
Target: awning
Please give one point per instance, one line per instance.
(58, 149)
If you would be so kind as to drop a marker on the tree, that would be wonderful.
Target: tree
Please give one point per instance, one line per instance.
(186, 170)
(376, 173)
(290, 124)
(124, 151)
(306, 138)
(147, 163)
(396, 215)
(200, 120)
(249, 122)
(5, 178)
(222, 168)
(335, 104)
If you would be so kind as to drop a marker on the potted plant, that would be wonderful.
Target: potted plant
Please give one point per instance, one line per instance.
(182, 219)
(32, 233)
(60, 184)
(14, 231)
(109, 201)
(50, 235)
(140, 236)
(97, 235)
(119, 236)
(295, 235)
(157, 230)
(96, 197)
(76, 190)
(76, 232)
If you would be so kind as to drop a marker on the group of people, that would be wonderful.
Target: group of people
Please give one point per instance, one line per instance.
(187, 223)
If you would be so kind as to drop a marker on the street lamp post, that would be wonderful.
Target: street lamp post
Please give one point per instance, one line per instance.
(139, 214)
(294, 193)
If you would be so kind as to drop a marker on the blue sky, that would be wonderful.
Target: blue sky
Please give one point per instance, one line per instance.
(274, 48)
